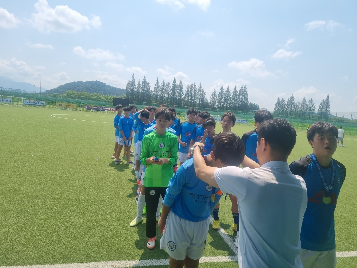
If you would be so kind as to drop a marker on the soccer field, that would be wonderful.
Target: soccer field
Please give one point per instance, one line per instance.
(64, 201)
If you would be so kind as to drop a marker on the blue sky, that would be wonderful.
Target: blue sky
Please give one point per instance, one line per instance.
(275, 48)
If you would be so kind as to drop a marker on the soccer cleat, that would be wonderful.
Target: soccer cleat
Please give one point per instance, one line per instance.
(144, 210)
(135, 222)
(151, 243)
(234, 227)
(215, 224)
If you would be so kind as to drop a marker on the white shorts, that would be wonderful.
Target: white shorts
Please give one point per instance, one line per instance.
(182, 157)
(125, 144)
(183, 237)
(137, 150)
(340, 139)
(318, 259)
(142, 178)
(117, 139)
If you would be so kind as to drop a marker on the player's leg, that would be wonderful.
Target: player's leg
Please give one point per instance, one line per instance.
(128, 161)
(152, 195)
(215, 213)
(120, 147)
(235, 212)
(190, 263)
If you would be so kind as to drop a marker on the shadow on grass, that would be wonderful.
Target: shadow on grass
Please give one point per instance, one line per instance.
(218, 243)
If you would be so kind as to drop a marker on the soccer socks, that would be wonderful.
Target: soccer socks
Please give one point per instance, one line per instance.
(159, 207)
(215, 214)
(236, 219)
(140, 207)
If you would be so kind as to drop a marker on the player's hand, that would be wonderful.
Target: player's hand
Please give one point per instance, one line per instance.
(164, 161)
(199, 143)
(161, 225)
(184, 144)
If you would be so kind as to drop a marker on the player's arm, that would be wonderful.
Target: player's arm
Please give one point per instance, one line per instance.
(121, 129)
(203, 172)
(247, 162)
(175, 187)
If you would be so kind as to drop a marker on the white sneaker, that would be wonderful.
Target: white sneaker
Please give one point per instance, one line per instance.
(151, 243)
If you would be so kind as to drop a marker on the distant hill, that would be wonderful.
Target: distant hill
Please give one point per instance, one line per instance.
(89, 87)
(11, 85)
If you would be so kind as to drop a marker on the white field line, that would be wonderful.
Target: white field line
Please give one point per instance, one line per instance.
(148, 263)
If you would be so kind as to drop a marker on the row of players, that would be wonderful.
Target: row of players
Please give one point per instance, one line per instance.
(187, 206)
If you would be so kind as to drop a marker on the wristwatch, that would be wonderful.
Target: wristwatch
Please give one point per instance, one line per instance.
(193, 148)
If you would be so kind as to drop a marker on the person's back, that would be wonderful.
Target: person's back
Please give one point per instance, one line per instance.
(274, 203)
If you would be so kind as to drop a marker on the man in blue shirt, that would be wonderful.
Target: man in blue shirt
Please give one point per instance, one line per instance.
(184, 135)
(324, 177)
(189, 202)
(126, 130)
(198, 131)
(250, 138)
(119, 110)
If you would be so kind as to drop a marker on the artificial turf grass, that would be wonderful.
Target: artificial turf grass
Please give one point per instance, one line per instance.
(64, 200)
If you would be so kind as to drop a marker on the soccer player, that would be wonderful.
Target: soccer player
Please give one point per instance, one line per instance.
(119, 109)
(159, 154)
(189, 202)
(209, 126)
(271, 199)
(185, 132)
(176, 122)
(142, 126)
(228, 120)
(126, 130)
(250, 138)
(324, 177)
(198, 131)
(341, 135)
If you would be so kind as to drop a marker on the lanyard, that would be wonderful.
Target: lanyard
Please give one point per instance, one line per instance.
(327, 187)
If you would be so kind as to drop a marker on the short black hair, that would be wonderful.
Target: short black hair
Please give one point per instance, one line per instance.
(119, 106)
(191, 111)
(209, 122)
(228, 148)
(279, 134)
(163, 111)
(127, 109)
(204, 114)
(145, 114)
(172, 109)
(150, 108)
(262, 115)
(231, 116)
(321, 128)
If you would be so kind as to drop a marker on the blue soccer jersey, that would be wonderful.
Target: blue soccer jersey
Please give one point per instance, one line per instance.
(197, 133)
(185, 133)
(126, 125)
(250, 143)
(141, 129)
(116, 124)
(176, 124)
(208, 145)
(318, 226)
(190, 197)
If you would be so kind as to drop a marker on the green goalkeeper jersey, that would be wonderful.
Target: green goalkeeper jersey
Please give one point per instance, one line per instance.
(160, 146)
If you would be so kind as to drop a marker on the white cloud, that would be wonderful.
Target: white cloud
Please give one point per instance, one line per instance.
(322, 25)
(305, 92)
(206, 33)
(253, 67)
(38, 45)
(288, 42)
(136, 70)
(63, 76)
(114, 65)
(120, 67)
(345, 78)
(7, 19)
(60, 19)
(180, 4)
(16, 69)
(109, 79)
(97, 54)
(166, 74)
(285, 54)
